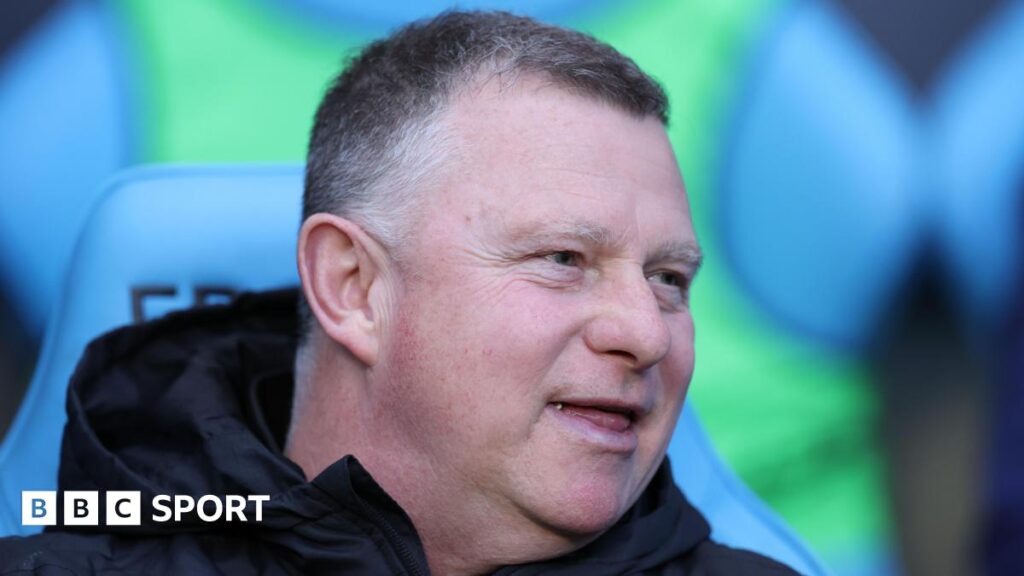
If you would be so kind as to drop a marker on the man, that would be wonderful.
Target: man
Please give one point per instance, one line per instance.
(496, 341)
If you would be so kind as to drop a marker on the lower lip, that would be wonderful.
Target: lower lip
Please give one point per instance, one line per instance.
(623, 442)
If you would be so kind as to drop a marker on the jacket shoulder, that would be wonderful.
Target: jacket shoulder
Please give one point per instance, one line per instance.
(713, 559)
(57, 554)
(69, 553)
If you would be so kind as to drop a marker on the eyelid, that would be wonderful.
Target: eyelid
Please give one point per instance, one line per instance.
(683, 278)
(682, 289)
(578, 257)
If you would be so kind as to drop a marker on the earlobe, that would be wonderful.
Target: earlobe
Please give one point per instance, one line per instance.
(337, 273)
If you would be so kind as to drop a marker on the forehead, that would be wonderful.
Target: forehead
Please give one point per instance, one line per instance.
(534, 159)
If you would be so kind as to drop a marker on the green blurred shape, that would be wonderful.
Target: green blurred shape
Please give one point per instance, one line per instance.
(229, 80)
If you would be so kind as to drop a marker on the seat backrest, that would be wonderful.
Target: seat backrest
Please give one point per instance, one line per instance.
(172, 237)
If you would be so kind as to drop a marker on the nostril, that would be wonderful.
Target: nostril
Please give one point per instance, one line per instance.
(627, 356)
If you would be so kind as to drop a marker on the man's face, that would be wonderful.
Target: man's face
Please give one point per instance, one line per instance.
(541, 344)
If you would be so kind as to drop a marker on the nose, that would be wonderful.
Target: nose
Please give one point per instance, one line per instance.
(628, 322)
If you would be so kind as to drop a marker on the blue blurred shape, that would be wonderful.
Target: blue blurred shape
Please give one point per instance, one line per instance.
(818, 211)
(381, 16)
(64, 126)
(979, 166)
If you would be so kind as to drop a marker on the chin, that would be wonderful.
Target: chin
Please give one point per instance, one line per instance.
(588, 507)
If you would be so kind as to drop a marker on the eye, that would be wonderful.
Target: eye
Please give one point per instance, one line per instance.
(564, 258)
(677, 283)
(669, 279)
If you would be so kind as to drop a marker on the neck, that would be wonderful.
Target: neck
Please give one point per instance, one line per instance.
(315, 441)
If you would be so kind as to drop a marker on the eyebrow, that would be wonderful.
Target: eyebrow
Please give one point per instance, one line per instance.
(684, 252)
(688, 253)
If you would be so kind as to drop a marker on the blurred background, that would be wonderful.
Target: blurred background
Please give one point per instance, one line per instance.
(856, 169)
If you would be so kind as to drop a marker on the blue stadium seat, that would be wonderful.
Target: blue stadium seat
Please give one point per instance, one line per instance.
(170, 233)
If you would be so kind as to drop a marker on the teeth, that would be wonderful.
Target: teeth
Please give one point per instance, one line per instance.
(558, 405)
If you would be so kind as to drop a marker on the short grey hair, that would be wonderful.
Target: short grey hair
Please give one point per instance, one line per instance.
(377, 134)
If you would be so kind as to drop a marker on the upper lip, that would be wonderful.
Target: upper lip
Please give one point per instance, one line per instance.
(634, 410)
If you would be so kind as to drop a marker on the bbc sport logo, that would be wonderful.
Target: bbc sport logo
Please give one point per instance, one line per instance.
(124, 508)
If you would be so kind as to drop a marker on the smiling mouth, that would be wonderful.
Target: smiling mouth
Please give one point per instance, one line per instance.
(610, 428)
(615, 419)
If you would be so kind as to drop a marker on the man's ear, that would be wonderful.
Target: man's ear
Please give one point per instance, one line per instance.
(338, 265)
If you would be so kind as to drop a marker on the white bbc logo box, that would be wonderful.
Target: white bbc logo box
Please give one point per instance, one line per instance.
(81, 508)
(39, 508)
(124, 508)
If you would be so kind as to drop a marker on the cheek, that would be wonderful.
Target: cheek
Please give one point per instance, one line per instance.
(676, 369)
(680, 361)
(468, 363)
